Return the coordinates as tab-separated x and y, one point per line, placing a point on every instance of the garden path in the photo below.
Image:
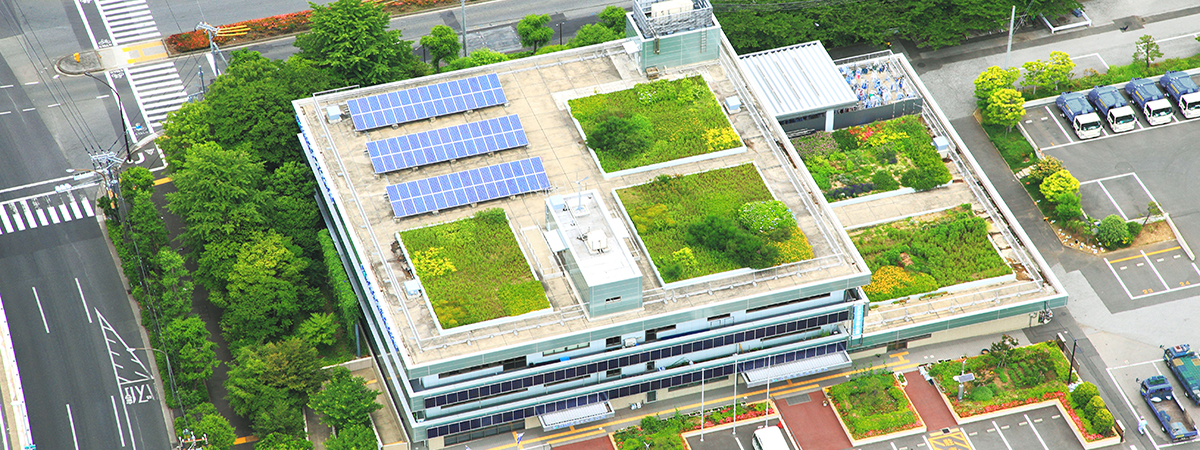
930	406
814	424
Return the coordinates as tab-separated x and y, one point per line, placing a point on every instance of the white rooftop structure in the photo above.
585	229
797	81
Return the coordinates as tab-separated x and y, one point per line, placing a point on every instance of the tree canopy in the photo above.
613	17
270	384
994	78
442	44
265	293
357	437
346	400
351	37
593	33
1146	50
1005	107
533	30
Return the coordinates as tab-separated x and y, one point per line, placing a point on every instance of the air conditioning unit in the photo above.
334	113
597	242
630	342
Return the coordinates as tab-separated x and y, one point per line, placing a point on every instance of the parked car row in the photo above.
1105	104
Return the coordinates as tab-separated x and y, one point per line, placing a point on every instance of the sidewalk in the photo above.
928	402
813	423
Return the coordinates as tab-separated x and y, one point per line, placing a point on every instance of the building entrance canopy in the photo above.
576	416
798	368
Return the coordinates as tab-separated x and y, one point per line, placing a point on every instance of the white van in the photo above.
770	438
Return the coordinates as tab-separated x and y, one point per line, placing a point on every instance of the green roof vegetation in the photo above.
712	222
664	120
473	270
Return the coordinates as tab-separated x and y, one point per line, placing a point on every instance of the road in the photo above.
54	258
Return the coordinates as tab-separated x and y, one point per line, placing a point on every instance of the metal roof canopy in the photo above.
798	81
576	416
798	368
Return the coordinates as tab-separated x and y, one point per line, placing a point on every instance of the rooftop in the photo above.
593	235
797	80
537	90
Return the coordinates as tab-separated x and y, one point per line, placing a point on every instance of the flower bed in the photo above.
666	433
283	24
712	222
472	270
873	158
914	257
727	414
1013	377
873	405
682	119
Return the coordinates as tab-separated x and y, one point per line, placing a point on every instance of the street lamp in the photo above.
170	372
560	33
121	107
464	27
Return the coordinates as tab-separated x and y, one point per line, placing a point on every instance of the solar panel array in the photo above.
469	186
444	144
423	102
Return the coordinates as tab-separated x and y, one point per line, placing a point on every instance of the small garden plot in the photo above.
873	404
473	270
1008	376
665	433
653	123
917	256
873	158
712	222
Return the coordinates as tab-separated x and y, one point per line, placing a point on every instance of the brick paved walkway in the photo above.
813	425
600	443
926	398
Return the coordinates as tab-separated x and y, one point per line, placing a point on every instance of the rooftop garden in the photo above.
653	123
472	270
873	158
872	404
1008	376
712	222
913	256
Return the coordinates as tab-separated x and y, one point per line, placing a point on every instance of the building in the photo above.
615	333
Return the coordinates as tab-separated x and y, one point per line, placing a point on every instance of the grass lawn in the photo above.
912	257
873	158
473	270
685	117
1012	146
873	405
663	210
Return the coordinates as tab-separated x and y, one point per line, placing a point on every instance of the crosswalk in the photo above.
158	89
52	209
128	21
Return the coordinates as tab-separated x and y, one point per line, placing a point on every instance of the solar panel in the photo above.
449	97
444	144
469	186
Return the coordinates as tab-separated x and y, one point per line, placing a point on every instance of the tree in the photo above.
193	354
357	437
203	420
1001	349
1035	74
1113	232
1067	207
1043	168
174	285
1102	421
533	30
613	17
293	212
592	33
351	37
319	329
442	44
136	178
994	78
1083	394
621	136
1059	69
281	441
270	384
1146	49
1057	183
265	291
481	57
183	129
219	194
346	400
1005	107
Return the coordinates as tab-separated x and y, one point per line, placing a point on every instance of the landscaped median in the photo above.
873	407
713	222
672	433
473	270
1012	379
653	124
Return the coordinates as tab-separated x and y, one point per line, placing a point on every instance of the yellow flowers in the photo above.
721	139
431	263
891	282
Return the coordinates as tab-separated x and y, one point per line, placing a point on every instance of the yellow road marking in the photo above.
162	181
245	439
147	58
953	440
1148	254
141	46
571	438
697	405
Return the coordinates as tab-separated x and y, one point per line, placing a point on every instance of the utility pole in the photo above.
1011	20
464	27
121	108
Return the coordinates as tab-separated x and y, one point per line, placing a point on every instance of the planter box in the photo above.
883	437
1062	410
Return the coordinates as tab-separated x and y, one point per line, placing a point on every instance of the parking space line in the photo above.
1149	254
1060	127
1035	432
1097	55
1097	180
1164	292
1126	397
1118	277
1114	201
1175	122
1155	269
1002	438
1143	185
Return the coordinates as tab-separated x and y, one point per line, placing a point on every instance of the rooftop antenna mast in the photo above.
579	195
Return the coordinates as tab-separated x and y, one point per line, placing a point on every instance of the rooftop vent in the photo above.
597	242
334	112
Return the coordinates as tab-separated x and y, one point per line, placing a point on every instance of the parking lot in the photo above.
1124	195
1043	428
725	439
1159	269
1127	379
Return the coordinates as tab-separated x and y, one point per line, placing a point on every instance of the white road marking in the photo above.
84	300
1160	278
17	218
65	214
1114	201
6	86
1060	127
28	215
99	97
74	436
75	208
41	215
87	207
1035	433
31	83
54	105
28	109
115	415
4	217
5	113
1097	55
1002	438
53	214
40	310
